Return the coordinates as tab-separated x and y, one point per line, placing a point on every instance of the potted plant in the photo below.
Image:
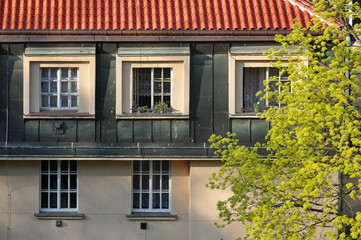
142	109
256	107
161	107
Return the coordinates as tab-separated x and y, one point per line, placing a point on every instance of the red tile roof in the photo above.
150	14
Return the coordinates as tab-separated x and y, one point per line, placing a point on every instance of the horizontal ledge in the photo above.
58	116
59	215
151	217
244	115
151	116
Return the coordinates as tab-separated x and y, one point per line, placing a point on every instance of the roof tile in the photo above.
152	14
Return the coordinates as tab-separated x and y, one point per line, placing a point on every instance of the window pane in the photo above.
64	200
73	183
156	182
157	87
73	166
157	72
166	87
44	87
273	72
44	166
136	166
74	87
156	166
252	83
53	101
166	72
53	165
74	101
145	166
64	165
73	200
64	101
165	166
165	200
64	73
145	182
156	200
136	200
74	73
44	200
53	200
64	87
44	101
165	182
136	182
53	181
53	73
53	87
145	200
44	73
44	182
64	181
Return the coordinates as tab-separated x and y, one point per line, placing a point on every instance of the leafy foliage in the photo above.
303	185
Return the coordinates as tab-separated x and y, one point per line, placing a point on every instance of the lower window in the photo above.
59	186
151	186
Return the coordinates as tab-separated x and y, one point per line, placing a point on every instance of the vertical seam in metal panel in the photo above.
132	126
250	130
38	131
76	130
170	130
151	130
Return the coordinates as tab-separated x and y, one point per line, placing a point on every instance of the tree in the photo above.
312	173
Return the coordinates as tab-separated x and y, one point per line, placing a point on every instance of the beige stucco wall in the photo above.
203	210
104	198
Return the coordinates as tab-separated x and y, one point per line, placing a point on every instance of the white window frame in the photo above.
236	64
58	190
152	82
180	65
267	77
31	84
151	191
59	92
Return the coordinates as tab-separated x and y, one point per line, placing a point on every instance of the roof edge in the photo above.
139	35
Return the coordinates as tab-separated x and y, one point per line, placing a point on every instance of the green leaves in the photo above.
308	182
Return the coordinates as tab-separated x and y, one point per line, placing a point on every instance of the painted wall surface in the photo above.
203	209
104	198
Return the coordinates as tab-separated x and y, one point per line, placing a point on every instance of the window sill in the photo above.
59	215
152	116
59	115
246	115
151	216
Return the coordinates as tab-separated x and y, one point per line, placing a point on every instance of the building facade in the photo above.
106	108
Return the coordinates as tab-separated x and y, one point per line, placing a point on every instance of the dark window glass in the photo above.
156	200
145	200
64	200
44	200
165	200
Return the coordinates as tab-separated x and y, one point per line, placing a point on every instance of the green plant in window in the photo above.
142	109
161	107
256	106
